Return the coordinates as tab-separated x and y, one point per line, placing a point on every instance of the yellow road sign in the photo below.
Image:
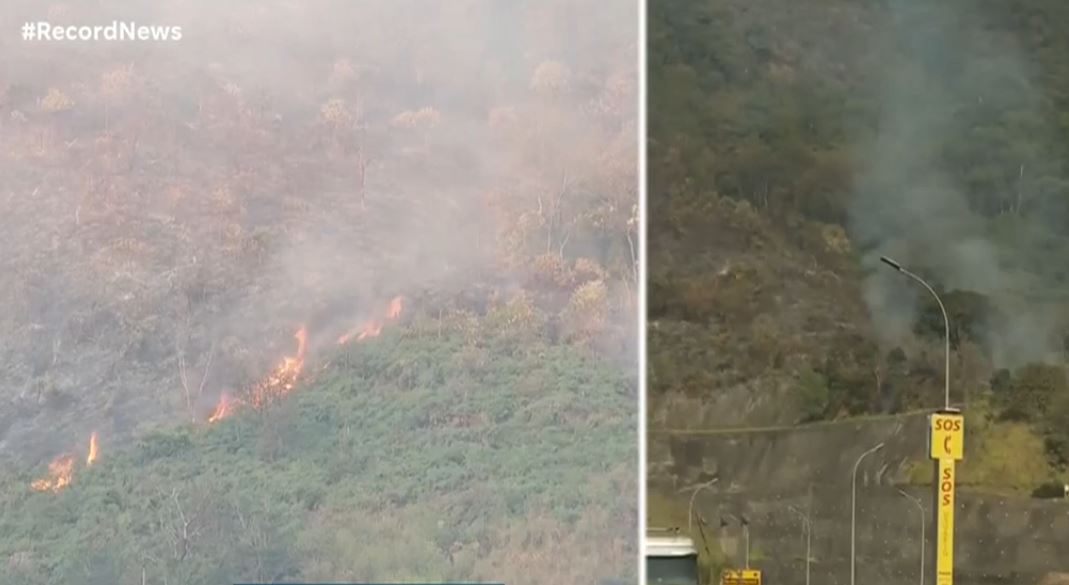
947	438
944	555
740	577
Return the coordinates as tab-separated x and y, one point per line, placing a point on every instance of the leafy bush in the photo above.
1032	391
813	395
1006	456
1056	429
403	460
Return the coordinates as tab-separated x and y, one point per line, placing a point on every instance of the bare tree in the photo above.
184	529
183	373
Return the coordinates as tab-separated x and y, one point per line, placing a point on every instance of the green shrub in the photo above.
813	395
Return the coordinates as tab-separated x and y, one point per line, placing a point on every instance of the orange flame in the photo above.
284	377
373	328
302	340
394	310
92	450
369	329
224	409
60	471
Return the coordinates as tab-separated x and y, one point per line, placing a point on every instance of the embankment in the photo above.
763	473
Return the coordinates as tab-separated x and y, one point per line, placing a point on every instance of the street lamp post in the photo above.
916	501
690	509
745	524
746	534
808	526
853	511
946	322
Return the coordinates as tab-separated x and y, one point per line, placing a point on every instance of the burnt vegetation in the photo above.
442	208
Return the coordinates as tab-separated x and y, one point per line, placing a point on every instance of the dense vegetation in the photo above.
441	451
172	213
792	143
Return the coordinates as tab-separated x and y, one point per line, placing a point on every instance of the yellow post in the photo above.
944	559
947	446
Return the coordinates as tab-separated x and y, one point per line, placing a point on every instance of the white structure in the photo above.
671	558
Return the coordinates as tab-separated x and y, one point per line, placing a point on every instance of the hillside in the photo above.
432	453
333	285
794	143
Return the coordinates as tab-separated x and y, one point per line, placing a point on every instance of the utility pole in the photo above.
946	324
808	528
946	440
853	513
920	507
690	508
746	534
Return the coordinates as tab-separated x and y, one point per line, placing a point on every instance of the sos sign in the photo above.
947	437
946	486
